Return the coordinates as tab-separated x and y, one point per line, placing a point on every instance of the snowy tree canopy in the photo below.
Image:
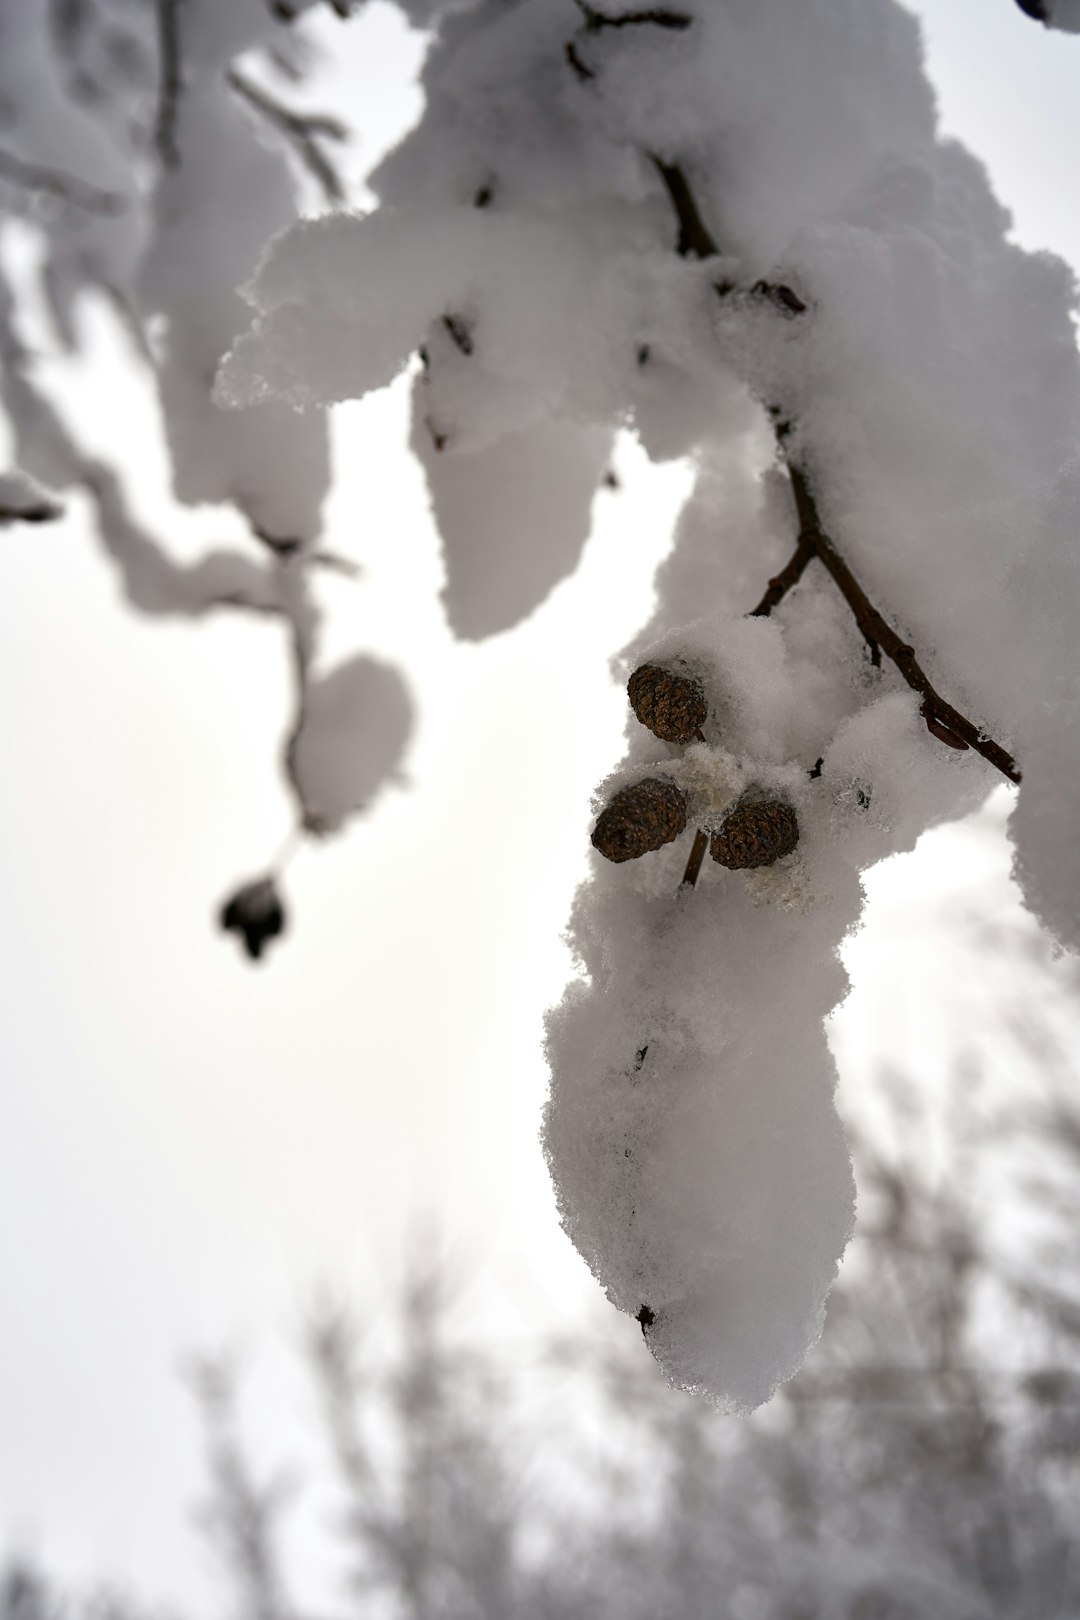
732	228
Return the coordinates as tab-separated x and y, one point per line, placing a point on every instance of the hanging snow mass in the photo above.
734	229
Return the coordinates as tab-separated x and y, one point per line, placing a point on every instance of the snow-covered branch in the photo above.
944	721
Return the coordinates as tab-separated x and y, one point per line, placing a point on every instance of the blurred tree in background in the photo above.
926	1461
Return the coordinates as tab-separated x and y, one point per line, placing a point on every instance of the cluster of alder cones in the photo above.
757	831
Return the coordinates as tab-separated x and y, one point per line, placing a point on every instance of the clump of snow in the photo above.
85	119
528	261
699	1160
213	212
929	392
356	723
344	302
513	517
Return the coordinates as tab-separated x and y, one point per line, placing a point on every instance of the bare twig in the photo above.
286	11
695	239
302	130
697	855
788	577
335	563
595	21
55	183
649	17
580	68
170	82
940	715
302	619
333	1349
460	333
240	1514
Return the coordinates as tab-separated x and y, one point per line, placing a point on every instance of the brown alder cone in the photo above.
673	706
756	833
646	816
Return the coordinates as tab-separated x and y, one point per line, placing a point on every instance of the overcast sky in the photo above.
188	1147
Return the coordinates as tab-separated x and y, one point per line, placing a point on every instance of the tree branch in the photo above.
55	183
170	82
788	577
596	21
300	129
302	620
697	855
695	238
287	11
697	241
945	722
651	16
942	719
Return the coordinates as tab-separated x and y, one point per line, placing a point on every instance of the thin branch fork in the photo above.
302	130
945	722
697	855
595	21
942	719
788	577
170	82
697	241
287	11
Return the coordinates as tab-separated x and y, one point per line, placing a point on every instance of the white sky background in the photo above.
190	1147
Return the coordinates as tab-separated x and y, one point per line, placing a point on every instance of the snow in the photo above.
212	214
524	262
513	517
23	500
355	726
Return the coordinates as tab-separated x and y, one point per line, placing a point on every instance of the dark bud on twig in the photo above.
785	299
460	333
640	818
32	512
758	832
282	545
1035	8
937	728
646	1317
672	706
256	913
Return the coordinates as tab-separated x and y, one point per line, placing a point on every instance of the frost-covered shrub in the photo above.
732	228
